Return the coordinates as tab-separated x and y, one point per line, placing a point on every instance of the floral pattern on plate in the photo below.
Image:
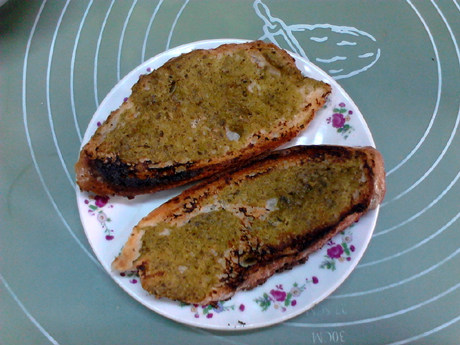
339	252
95	208
281	299
133	276
209	311
340	119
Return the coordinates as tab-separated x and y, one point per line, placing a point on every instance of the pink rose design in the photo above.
335	252
338	120
278	295
101	201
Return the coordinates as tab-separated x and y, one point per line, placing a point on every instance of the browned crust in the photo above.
89	177
375	161
258	275
187	204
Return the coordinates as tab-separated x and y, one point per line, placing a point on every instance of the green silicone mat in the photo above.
399	61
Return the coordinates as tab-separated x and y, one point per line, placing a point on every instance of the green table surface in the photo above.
58	60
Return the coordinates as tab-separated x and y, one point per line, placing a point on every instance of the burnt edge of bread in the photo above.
124	179
123	175
289	252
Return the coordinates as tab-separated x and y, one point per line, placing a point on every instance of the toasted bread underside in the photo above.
197	115
235	231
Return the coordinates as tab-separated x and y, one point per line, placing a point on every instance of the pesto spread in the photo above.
310	196
190	257
204	105
267	210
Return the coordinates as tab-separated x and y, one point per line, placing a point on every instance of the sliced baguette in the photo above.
234	231
197	115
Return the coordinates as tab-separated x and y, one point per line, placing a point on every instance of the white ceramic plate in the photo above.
108	222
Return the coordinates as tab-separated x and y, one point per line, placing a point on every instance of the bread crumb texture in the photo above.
250	221
208	103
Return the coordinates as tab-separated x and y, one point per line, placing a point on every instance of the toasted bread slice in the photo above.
236	230
197	115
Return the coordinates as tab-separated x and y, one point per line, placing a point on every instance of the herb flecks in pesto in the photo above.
191	258
249	219
310	196
206	105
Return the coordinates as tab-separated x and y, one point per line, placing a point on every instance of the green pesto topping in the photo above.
190	256
187	261
203	106
302	197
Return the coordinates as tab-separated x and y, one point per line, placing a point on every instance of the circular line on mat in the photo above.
29	140
418	214
449	142
48	99
32	153
377	318
451	33
147	32
427	333
175	22
122	37
401	282
407	250
72	68
26	312
433	166
96	55
438	96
